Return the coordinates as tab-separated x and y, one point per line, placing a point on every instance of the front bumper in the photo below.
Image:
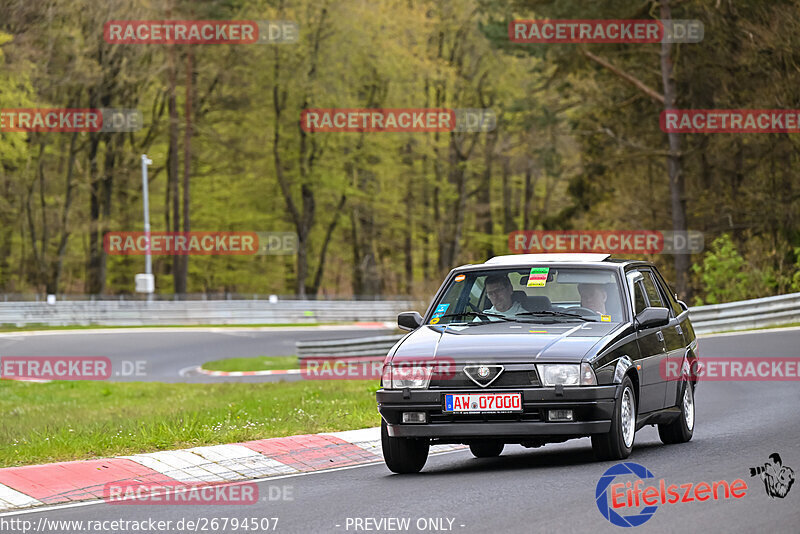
592	406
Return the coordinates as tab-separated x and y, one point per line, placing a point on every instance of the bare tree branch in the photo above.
655	95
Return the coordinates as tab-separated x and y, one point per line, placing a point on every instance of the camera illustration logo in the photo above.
777	478
602	499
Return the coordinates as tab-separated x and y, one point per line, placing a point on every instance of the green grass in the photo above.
62	420
259	363
772	327
33	327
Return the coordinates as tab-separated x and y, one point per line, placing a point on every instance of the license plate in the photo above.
482	402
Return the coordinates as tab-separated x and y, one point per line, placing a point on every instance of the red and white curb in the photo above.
339	360
48	484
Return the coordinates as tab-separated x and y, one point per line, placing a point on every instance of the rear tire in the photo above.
486	449
682	428
403	455
617	444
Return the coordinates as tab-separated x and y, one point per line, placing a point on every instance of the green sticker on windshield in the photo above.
538	276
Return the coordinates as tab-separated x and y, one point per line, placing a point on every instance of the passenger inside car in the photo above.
593	297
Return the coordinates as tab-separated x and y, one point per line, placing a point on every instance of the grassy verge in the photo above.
33	327
259	363
60	421
772	327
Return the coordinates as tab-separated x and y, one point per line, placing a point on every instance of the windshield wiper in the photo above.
477	314
547	313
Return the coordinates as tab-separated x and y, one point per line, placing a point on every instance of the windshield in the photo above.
533	294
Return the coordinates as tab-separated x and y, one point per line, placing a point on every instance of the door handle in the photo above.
679	329
660	335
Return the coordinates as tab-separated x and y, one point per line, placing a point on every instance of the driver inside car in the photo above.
593	297
500	292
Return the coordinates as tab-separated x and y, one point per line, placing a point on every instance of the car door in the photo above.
653	350
675	336
681	312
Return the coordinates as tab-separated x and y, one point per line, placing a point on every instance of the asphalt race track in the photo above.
551	489
165	353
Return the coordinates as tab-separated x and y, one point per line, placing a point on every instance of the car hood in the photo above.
506	342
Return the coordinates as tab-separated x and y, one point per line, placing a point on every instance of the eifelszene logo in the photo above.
614	497
778	478
608	510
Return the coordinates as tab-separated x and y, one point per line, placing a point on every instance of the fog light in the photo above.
560	415
413	417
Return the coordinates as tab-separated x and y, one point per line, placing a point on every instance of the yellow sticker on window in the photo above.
435	320
605	318
538	276
460	278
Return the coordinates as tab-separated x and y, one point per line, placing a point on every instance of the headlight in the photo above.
399	376
553	374
567	374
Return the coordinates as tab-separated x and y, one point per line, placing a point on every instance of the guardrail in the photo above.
143	313
746	314
742	315
366	347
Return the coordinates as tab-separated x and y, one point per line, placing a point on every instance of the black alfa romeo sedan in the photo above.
535	349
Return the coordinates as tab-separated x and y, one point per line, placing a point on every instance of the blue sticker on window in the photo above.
440	310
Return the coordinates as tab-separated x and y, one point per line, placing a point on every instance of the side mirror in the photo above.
652	318
409	320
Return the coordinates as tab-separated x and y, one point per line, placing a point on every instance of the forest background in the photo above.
577	144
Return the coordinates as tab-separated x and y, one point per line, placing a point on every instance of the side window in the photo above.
652	293
673	303
638	298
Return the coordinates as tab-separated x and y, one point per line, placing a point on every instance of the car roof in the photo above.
566	259
514	259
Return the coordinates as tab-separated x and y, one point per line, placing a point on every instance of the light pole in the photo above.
145	283
148	263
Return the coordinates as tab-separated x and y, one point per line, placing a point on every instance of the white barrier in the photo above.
746	314
740	315
135	313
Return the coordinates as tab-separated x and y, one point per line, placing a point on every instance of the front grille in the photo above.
528	415
510	378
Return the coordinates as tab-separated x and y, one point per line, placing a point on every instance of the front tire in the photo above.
403	455
681	429
617	444
486	449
